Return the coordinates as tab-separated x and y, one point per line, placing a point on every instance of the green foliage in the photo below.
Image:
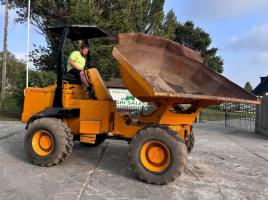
41	78
248	87
170	25
36	79
15	67
197	39
114	16
16	81
11	104
104	62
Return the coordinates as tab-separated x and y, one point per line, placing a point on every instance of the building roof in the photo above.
262	88
115	83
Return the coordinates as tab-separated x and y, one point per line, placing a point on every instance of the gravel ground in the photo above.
226	163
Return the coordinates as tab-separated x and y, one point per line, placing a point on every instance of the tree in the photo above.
114	16
248	87
195	38
15	67
170	24
16	77
3	75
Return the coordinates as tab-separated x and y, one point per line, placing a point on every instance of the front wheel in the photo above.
48	141
157	155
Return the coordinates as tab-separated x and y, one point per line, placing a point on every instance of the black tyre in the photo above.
157	155
190	143
100	138
48	141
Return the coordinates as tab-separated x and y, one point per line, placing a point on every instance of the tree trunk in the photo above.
4	72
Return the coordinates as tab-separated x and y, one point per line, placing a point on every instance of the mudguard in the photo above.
55	112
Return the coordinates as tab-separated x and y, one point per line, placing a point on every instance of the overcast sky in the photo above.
238	28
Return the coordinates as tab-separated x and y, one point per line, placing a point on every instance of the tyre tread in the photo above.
64	141
169	136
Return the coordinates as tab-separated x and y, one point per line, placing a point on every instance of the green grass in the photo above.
11	109
11	104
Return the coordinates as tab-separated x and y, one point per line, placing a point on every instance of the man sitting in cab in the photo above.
76	65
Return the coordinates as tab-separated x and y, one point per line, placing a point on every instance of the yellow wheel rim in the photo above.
155	156
42	143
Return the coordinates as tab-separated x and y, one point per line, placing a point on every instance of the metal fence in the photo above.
236	115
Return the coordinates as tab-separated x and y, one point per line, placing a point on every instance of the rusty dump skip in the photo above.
154	69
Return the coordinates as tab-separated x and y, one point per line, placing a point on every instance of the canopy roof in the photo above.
78	32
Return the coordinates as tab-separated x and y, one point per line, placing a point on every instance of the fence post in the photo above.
225	115
261	124
258	119
198	118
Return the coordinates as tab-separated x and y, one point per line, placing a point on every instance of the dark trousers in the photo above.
74	72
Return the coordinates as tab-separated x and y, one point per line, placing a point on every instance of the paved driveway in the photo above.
226	163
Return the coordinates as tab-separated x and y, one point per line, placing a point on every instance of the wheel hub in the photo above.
45	142
42	143
155	156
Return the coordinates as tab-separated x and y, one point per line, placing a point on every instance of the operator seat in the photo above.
100	89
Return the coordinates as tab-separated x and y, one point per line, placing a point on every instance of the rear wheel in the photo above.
48	141
157	155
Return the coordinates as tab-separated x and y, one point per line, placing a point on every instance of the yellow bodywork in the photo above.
101	115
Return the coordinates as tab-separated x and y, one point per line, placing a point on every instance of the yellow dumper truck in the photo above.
170	76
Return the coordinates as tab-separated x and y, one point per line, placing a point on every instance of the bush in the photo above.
16	82
11	105
36	79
